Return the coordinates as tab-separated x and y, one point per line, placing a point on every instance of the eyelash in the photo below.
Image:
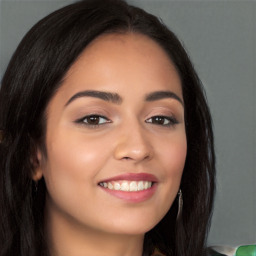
166	121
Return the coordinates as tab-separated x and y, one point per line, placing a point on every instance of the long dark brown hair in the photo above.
33	76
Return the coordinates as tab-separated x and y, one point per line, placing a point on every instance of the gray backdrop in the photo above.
220	37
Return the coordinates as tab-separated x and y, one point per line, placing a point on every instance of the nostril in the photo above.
132	150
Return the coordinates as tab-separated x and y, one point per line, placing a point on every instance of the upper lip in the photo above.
133	177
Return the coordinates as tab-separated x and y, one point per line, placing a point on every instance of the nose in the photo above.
133	144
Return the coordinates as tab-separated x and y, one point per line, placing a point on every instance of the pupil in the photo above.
93	120
159	120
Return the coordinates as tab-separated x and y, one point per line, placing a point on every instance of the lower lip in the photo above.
134	196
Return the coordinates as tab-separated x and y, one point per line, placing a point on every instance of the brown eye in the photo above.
158	120
93	120
162	120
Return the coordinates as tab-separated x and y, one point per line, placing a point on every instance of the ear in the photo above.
37	166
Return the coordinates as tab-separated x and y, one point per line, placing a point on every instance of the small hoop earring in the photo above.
180	204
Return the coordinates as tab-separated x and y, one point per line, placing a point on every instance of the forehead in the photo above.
132	42
130	59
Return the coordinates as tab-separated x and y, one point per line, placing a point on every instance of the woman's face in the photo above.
115	138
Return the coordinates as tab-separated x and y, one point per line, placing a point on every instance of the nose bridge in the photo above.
132	142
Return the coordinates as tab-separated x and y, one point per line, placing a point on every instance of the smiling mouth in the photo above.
128	186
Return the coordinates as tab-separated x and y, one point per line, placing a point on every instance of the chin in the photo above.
134	227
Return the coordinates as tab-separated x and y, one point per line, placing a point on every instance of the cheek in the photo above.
173	155
172	158
73	161
71	169
75	153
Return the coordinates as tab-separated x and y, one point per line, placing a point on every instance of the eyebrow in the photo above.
117	99
159	95
106	96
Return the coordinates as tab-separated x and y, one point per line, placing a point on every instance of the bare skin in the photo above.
136	134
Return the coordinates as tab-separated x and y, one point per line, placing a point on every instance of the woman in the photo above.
107	145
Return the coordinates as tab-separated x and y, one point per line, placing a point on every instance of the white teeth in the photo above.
110	186
117	186
127	185
140	185
133	186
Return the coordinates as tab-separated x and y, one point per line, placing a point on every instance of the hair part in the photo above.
33	76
